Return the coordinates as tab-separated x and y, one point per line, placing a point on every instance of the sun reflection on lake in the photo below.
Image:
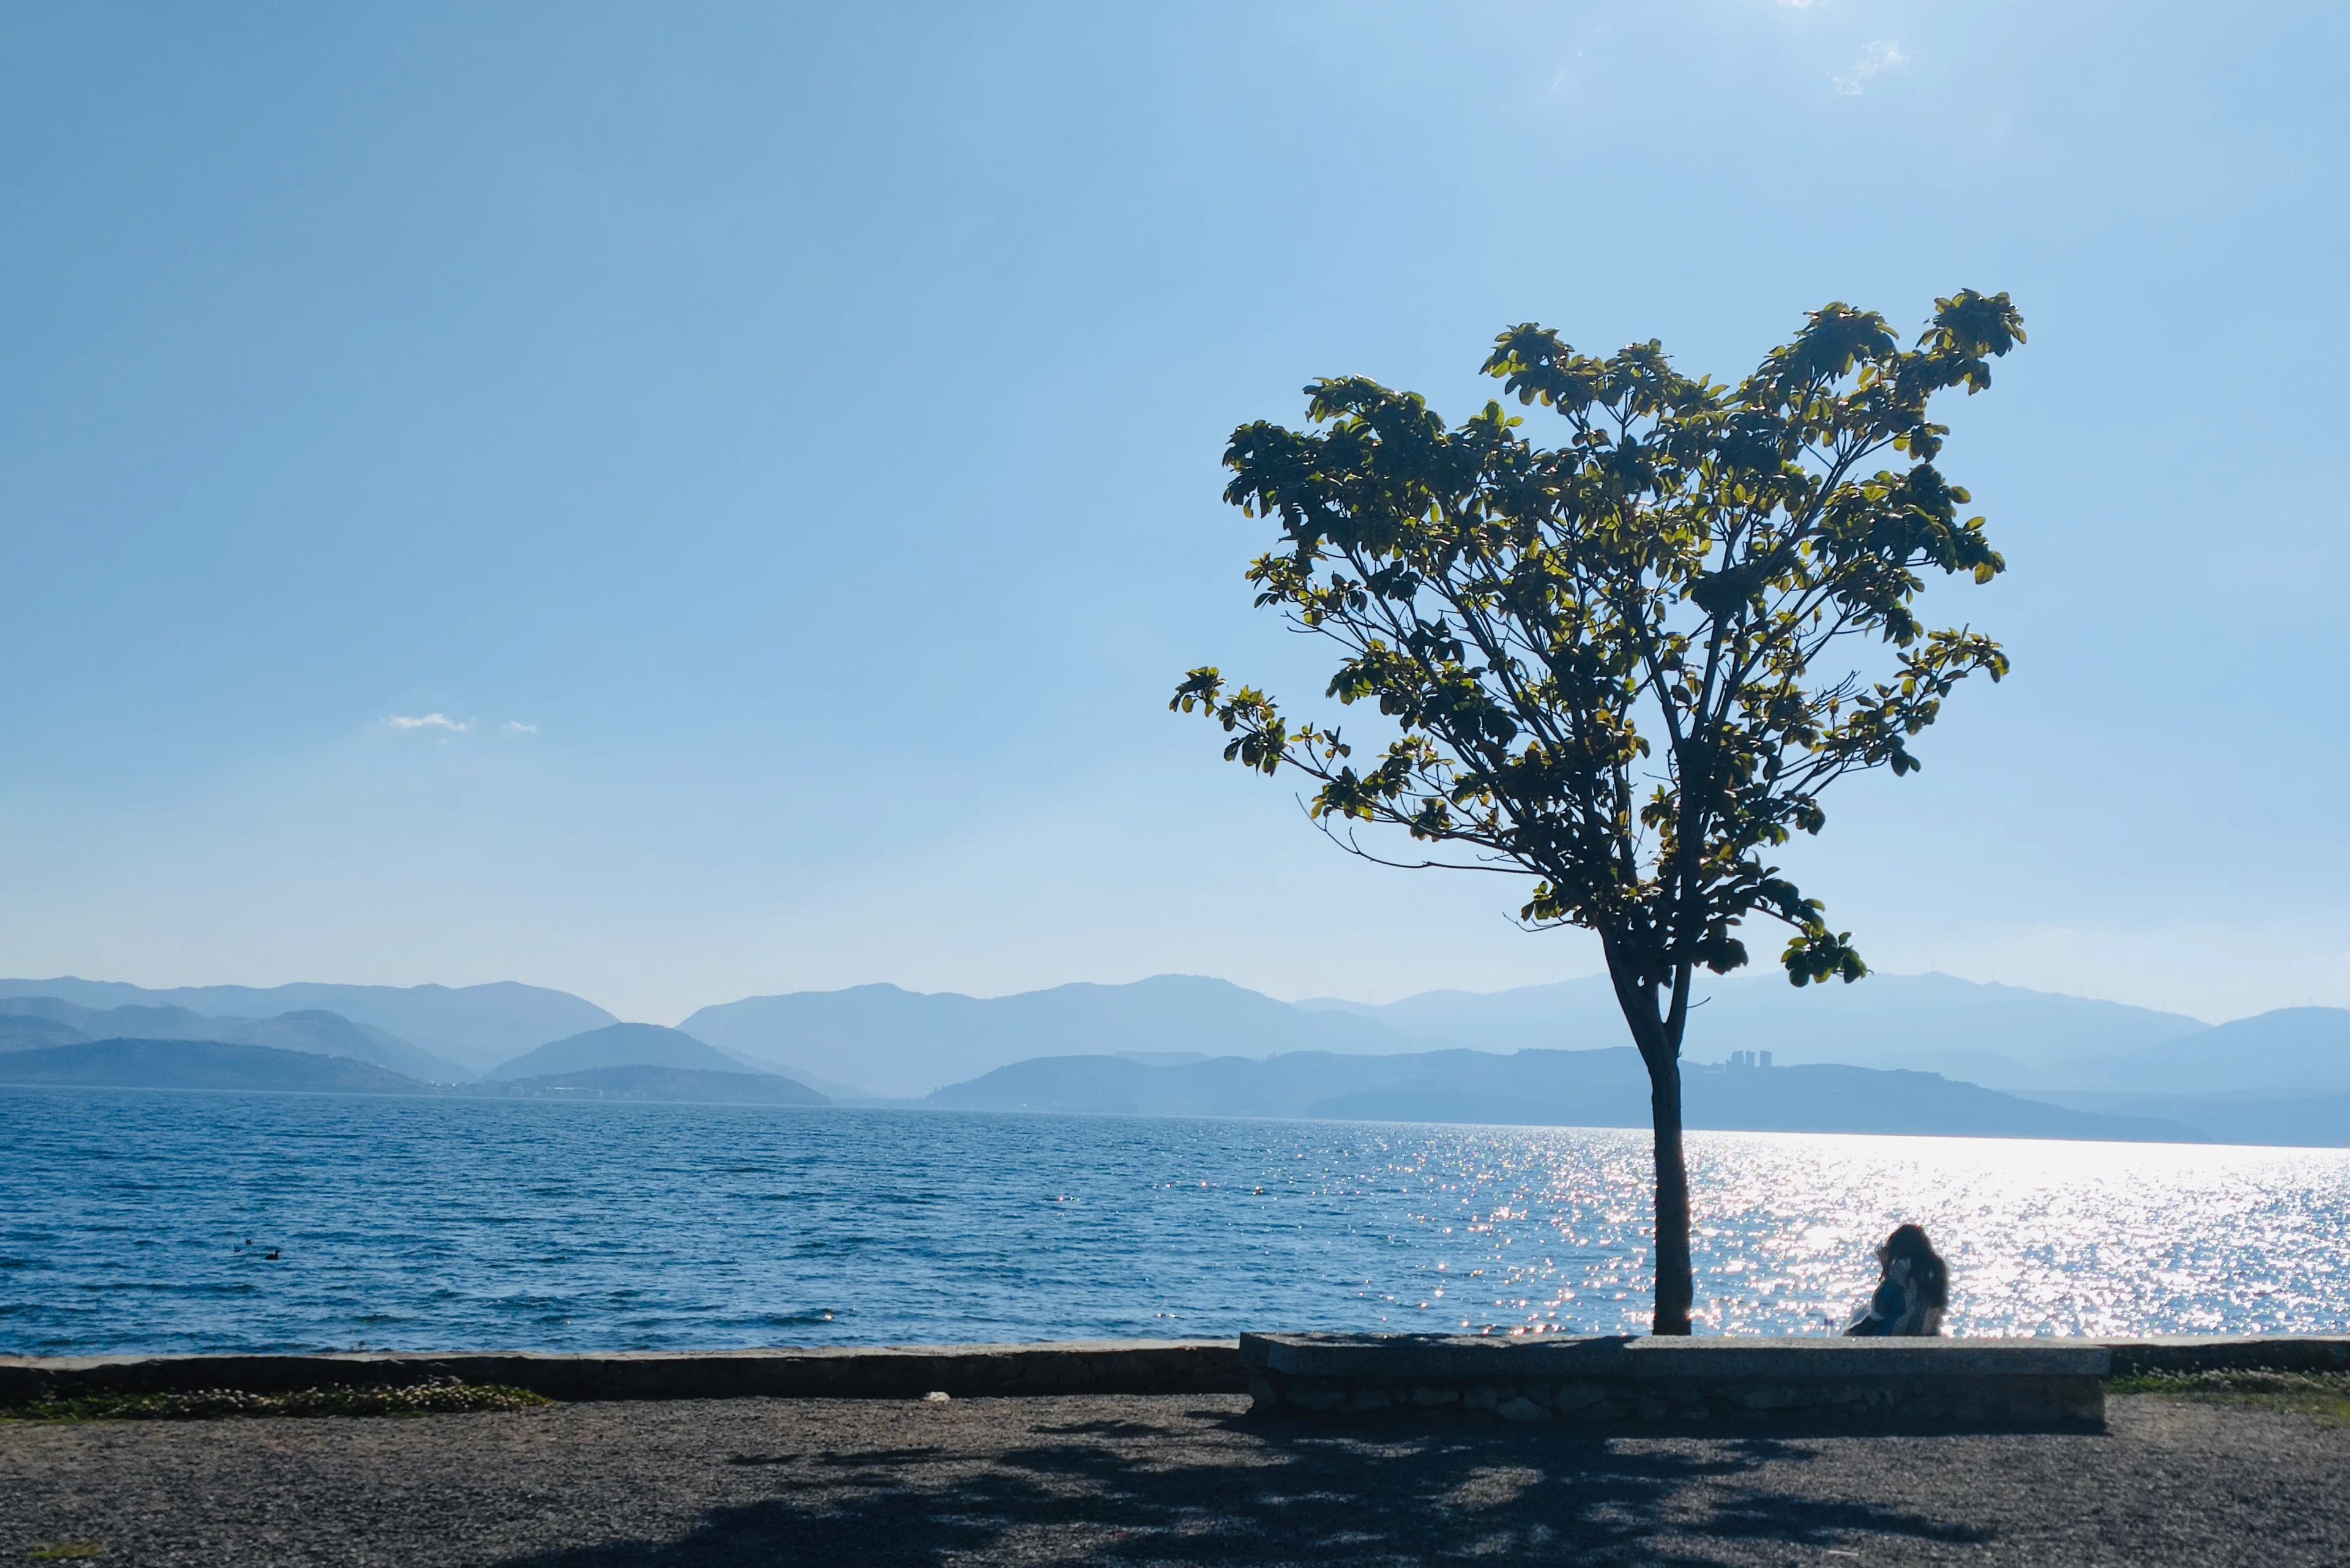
527	1224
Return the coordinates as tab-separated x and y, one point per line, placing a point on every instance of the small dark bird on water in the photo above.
270	1256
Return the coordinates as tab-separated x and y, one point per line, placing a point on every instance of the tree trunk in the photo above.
1657	1033
1676	1286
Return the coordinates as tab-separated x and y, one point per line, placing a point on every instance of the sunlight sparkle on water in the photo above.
417	1223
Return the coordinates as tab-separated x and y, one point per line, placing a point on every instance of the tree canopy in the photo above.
1628	665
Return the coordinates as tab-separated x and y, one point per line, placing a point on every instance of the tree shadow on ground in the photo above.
1233	1492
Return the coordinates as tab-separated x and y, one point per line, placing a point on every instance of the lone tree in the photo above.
1628	665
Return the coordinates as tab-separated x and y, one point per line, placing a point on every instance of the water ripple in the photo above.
125	1219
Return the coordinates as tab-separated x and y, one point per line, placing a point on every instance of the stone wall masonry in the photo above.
1101	1366
1940	1384
1969	1383
2251	1352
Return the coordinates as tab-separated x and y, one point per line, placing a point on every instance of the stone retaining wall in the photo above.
1978	1383
1105	1366
1972	1384
2254	1353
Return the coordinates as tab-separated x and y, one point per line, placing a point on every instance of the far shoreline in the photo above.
441	1094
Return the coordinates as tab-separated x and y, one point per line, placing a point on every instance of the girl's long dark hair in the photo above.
1926	1265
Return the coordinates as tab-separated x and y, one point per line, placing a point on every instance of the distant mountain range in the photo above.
197	1064
636	1081
618	1046
220	1065
2293	1050
1176	1042
1933	1023
893	1044
902	1044
1603	1088
18	1031
2028	1043
475	1026
50	1021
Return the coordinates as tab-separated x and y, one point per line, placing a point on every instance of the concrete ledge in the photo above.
1415	1357
2256	1353
1974	1383
1099	1366
2020	1385
1939	1384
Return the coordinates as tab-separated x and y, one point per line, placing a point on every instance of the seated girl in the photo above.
1913	1292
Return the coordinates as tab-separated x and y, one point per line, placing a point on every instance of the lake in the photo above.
135	1220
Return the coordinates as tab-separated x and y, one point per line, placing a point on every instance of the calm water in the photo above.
525	1224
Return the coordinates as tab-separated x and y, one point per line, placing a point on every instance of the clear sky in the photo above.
675	501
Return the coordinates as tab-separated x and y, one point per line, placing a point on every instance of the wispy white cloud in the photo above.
1875	59
516	727
427	722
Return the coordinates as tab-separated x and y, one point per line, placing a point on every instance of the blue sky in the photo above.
780	446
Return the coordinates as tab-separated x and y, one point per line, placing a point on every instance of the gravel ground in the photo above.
1157	1480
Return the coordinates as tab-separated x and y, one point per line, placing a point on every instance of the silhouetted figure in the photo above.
1913	1291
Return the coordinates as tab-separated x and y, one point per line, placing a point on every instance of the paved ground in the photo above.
1157	1480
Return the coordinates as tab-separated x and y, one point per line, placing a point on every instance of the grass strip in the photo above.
440	1397
2324	1395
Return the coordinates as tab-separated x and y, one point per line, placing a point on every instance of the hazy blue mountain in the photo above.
617	1045
197	1064
2003	1037
904	1043
19	1031
331	1034
132	1022
1931	1022
2292	1049
2305	1121
314	1029
1545	1088
1539	1088
1289	1085
1569	1015
832	1088
637	1082
475	1026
